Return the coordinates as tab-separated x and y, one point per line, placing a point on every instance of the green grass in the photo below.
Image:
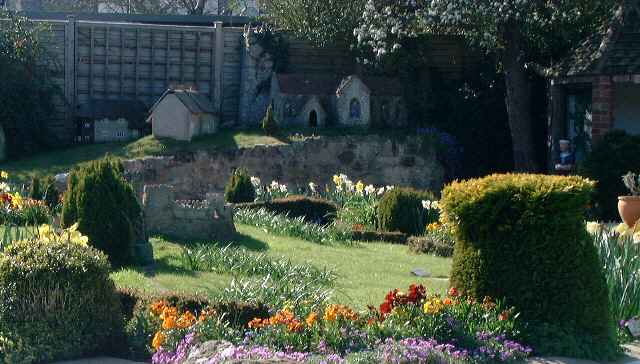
365	272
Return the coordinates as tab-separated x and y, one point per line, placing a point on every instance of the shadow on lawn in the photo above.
240	241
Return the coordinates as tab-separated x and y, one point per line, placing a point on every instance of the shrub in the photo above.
311	209
382	236
429	245
269	124
611	158
401	210
523	238
239	189
44	190
56	302
105	207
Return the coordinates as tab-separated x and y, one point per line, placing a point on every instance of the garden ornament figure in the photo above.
566	160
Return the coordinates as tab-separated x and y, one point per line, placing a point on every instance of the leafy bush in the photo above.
269	124
522	238
239	189
429	244
611	158
296	228
401	209
105	207
311	209
44	190
26	95
56	302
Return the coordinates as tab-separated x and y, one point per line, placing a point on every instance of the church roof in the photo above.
613	50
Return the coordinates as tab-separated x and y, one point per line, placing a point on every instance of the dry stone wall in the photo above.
377	160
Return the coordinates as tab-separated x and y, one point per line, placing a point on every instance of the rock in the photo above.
421	273
61	181
201	353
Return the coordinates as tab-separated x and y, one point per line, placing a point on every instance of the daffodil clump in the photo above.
15	209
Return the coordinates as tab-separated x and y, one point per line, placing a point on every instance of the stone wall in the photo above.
373	159
209	219
107	130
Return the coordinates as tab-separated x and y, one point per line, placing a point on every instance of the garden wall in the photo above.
373	159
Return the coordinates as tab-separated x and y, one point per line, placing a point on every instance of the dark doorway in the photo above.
313	119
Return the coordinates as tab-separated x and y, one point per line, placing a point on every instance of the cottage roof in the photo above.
347	81
133	111
307	84
613	50
194	101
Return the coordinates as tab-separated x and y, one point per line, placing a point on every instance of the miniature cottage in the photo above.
103	121
183	115
314	100
598	88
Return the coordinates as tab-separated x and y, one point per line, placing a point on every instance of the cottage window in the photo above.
355	110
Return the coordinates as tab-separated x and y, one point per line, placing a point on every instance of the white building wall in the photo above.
171	119
355	90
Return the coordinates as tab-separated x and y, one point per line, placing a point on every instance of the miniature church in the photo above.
320	100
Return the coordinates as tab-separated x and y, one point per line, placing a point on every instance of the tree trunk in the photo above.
518	101
200	7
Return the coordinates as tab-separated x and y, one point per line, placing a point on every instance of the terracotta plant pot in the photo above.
629	209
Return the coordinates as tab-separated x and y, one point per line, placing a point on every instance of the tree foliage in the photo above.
519	33
319	21
26	92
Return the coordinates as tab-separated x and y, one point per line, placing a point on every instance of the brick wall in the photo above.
603	106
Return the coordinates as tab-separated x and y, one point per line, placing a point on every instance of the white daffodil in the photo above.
312	187
426	204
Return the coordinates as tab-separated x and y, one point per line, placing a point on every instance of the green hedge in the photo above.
312	209
522	238
105	207
381	236
401	210
239	189
429	245
57	302
611	158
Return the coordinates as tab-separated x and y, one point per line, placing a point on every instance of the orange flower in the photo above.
206	313
504	316
447	301
294	326
168	311
169	323
311	319
257	323
187	319
158	307
158	340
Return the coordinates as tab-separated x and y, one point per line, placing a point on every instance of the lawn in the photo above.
366	271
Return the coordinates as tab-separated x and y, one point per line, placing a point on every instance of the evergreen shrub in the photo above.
522	238
239	189
104	205
401	210
269	124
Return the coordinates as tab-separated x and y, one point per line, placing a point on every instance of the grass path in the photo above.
366	272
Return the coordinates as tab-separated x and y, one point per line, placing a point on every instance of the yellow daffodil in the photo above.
337	180
360	187
16	201
433	306
594	228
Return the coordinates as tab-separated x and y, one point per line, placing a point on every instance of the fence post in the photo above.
218	68
70	71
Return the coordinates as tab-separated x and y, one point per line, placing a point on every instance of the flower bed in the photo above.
408	327
15	209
